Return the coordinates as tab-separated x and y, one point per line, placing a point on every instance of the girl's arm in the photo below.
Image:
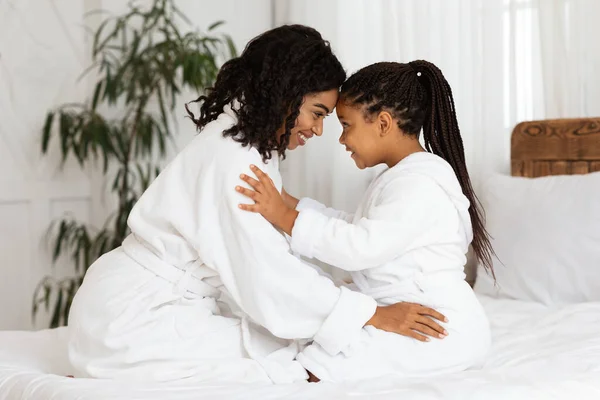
306	203
399	221
288	199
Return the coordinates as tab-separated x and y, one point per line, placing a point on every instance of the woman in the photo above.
203	290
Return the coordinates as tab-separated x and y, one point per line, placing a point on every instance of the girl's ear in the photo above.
385	122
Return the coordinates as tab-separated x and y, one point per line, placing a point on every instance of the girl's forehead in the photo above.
347	108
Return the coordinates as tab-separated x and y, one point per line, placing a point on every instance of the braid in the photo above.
418	96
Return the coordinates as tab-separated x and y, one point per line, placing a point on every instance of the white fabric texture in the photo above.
188	292
406	242
538	352
546	233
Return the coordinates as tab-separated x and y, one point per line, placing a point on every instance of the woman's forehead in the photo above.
328	99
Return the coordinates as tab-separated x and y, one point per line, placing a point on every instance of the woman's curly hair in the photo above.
269	80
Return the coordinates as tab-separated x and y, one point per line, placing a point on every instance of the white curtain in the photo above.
569	33
506	60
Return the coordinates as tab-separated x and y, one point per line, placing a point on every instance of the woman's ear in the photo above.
385	122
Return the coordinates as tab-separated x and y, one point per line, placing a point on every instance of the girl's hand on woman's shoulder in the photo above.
268	202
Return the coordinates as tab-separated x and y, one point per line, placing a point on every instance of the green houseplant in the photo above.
143	61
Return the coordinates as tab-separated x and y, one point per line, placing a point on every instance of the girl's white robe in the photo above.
192	289
407	242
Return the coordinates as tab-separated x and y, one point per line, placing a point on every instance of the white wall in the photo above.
41	55
43	49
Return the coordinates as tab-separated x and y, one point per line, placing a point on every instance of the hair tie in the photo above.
410	64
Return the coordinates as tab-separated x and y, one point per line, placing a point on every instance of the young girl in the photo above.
408	238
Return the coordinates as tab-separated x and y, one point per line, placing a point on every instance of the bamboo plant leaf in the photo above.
71	290
232	52
96	97
161	106
62	232
65	133
46	132
96	41
47	293
181	15
215	25
56	314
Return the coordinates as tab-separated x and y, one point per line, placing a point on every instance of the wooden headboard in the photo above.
556	147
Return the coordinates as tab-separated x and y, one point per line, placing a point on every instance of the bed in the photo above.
544	347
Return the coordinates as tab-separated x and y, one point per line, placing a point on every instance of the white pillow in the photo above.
546	233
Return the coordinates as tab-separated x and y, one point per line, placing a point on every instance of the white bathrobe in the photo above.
406	242
192	289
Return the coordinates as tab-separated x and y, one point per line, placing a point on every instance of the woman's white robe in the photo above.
192	289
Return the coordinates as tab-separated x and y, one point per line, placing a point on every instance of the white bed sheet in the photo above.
537	353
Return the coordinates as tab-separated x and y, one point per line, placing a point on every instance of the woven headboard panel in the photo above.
556	147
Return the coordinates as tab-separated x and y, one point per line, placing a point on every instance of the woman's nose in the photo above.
318	129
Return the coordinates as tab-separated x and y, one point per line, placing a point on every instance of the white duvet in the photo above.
537	353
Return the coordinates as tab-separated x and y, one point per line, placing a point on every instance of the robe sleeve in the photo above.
274	287
307	203
399	220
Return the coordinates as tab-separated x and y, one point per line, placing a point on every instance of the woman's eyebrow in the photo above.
323	107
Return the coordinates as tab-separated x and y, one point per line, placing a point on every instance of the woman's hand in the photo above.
409	319
267	201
